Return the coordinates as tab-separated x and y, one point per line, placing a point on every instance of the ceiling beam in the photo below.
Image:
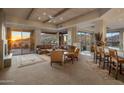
75	20
57	14
46	32
30	13
77	17
88	17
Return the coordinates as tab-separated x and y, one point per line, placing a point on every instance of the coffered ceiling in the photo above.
48	15
61	17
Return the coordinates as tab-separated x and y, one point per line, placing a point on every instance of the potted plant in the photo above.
98	38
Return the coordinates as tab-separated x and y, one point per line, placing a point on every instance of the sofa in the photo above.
43	49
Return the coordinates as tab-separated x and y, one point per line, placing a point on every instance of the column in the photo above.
37	37
32	42
60	39
57	36
93	38
72	35
69	38
121	39
101	27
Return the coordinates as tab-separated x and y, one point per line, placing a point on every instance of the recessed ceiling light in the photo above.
42	34
39	18
61	18
44	13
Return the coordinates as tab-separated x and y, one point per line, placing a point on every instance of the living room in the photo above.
61	46
34	39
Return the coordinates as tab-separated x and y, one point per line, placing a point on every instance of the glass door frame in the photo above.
21	40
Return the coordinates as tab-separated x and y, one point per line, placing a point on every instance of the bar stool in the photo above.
98	55
101	51
106	59
115	62
93	49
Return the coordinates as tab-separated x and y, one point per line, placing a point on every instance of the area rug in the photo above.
30	59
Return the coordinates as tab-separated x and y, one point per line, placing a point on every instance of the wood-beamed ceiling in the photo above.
41	16
57	14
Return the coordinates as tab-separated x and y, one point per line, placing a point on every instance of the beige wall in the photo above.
2	38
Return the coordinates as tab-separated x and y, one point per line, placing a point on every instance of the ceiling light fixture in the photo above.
61	18
44	13
42	34
39	18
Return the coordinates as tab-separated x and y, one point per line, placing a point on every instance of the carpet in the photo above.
31	59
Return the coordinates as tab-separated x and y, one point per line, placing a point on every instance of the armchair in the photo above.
57	57
76	53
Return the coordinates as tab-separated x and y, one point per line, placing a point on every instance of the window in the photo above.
48	39
85	40
113	39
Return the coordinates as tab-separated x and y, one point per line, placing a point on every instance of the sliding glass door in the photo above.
25	47
85	40
21	42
